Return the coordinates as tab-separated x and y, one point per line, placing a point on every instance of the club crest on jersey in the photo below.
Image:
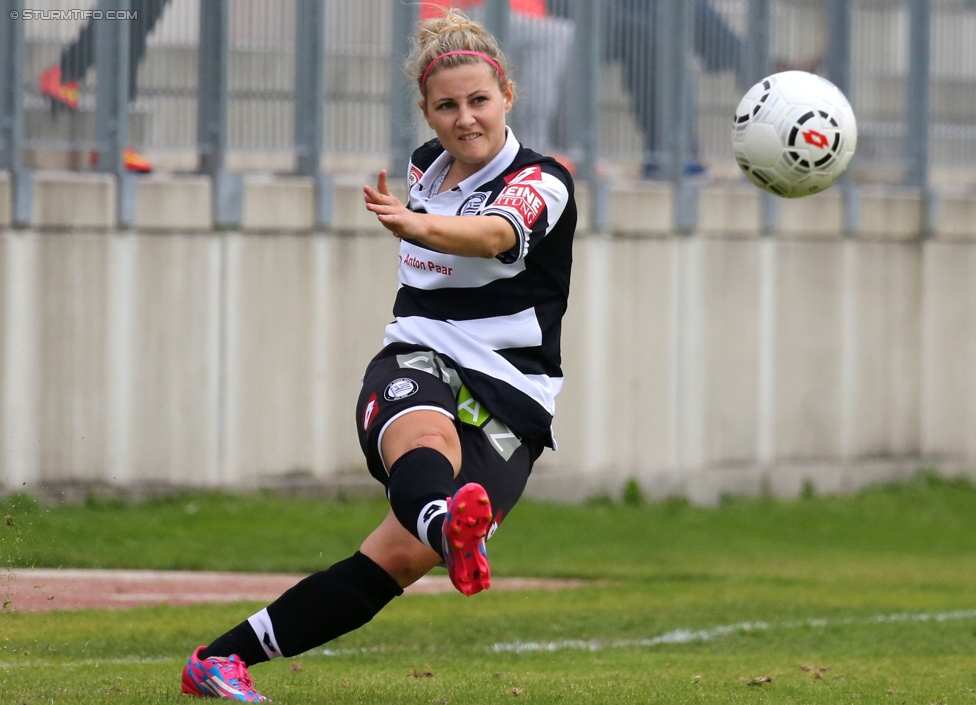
473	203
400	388
524	199
413	176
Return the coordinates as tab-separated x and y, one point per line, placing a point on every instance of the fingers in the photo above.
378	202
388	209
381	194
381	184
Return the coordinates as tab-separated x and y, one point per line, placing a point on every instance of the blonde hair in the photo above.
453	32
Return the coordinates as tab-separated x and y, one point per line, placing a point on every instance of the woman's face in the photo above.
466	107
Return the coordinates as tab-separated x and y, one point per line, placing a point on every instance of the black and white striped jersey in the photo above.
499	320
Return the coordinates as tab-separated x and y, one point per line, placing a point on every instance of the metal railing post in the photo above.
840	15
12	111
212	86
917	95
403	94
11	97
228	189
674	31
309	86
756	60
310	102
583	121
112	103
584	99
496	20
756	67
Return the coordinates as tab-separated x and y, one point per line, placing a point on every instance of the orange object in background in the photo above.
132	159
63	93
434	8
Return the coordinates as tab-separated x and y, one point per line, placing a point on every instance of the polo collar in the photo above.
490	171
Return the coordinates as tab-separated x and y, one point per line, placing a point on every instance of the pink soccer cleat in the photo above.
220	677
465	530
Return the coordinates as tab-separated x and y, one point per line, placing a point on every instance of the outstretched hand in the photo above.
393	215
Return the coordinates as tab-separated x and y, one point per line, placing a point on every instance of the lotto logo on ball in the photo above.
794	134
817	139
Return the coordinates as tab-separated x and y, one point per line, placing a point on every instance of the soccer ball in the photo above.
794	134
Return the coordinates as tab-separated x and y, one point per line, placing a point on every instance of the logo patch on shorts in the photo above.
372	409
400	388
469	410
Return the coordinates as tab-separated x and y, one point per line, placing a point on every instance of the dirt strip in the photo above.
38	590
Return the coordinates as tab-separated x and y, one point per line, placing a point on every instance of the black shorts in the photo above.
401	379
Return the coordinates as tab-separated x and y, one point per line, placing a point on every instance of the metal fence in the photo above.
638	88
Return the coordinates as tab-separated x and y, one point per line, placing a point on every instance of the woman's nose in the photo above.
465	116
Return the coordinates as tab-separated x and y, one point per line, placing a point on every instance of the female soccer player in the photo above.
458	404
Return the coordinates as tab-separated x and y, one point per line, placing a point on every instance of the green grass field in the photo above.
862	599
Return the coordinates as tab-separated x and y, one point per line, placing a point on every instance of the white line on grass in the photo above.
687	636
676	636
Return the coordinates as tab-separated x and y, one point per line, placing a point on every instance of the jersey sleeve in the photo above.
532	200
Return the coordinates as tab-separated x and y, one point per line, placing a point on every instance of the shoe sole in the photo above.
465	530
190	687
217	690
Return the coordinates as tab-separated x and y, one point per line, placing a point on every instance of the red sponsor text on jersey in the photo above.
428	266
524	199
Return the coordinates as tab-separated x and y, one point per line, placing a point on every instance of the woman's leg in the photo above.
398	552
349	594
422	450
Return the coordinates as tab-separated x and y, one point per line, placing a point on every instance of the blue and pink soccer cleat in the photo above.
465	530
220	677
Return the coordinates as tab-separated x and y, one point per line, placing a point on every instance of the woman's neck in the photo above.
453	177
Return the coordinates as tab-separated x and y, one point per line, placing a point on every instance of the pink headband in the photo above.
423	79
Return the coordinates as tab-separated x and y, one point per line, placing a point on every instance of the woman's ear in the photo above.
423	108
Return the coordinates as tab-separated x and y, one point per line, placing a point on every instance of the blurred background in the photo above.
270	68
191	288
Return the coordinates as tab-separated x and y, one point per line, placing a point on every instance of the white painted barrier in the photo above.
724	361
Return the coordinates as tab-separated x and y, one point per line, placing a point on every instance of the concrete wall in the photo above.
721	361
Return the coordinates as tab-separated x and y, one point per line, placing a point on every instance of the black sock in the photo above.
420	482
240	640
318	609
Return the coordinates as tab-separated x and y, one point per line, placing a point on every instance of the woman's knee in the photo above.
422	429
